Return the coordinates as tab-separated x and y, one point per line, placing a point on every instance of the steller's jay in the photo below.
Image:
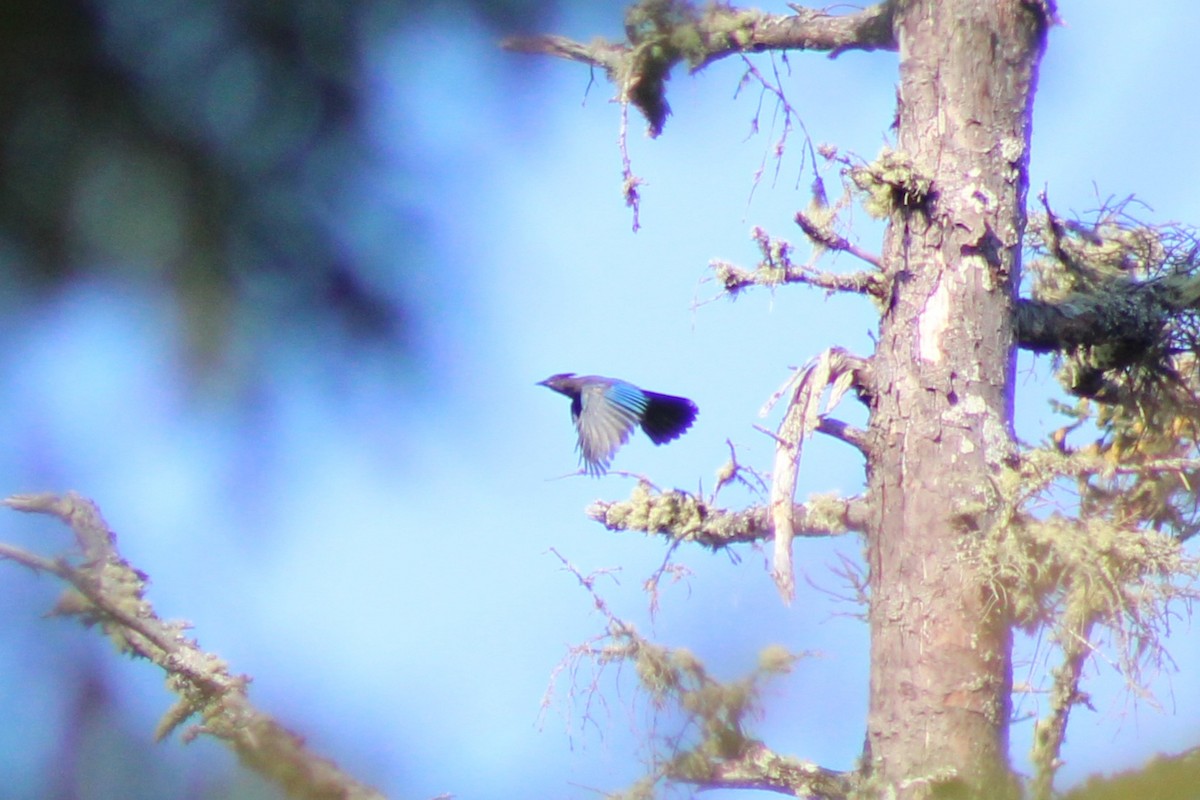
606	410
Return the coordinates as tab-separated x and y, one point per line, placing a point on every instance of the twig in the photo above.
825	236
732	471
629	181
776	268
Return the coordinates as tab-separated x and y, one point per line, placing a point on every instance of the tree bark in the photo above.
941	403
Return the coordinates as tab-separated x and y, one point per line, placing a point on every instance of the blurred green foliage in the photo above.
218	150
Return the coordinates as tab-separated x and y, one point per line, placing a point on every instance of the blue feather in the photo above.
606	410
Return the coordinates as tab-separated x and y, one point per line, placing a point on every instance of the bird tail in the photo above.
666	417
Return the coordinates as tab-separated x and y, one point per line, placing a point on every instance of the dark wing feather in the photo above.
666	417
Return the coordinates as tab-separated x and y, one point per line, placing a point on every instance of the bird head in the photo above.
558	382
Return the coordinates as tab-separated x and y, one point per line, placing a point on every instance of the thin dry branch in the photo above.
825	236
776	268
735	279
790	116
844	432
107	590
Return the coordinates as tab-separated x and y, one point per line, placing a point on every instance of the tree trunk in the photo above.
941	674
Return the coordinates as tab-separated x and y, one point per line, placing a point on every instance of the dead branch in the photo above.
712	749
851	435
726	31
107	590
758	767
835	369
776	268
663	34
734	471
825	236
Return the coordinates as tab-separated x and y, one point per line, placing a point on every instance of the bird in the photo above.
606	410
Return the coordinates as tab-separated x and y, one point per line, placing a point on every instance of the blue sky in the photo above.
375	553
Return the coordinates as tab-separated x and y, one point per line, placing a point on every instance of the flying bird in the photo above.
606	410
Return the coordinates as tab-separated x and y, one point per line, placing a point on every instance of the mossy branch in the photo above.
759	767
713	748
721	755
682	516
107	591
1117	297
664	33
1094	580
777	268
1074	639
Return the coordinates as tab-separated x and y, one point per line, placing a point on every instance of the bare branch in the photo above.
734	279
799	420
109	591
836	370
678	572
825	236
855	437
776	268
775	88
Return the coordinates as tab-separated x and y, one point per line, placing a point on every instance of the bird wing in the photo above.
666	417
608	414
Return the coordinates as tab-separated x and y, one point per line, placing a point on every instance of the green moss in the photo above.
891	181
775	659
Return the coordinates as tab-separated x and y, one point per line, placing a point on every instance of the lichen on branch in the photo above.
776	267
1117	299
891	181
684	516
1095	579
664	33
711	745
106	590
